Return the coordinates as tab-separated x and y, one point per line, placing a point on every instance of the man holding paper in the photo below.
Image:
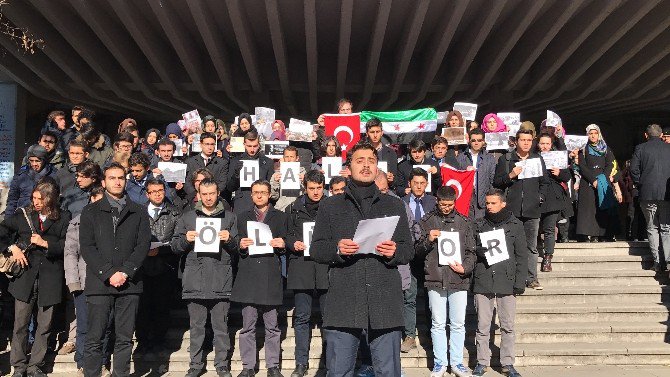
374	133
207	159
417	156
258	284
257	167
500	275
448	246
307	279
284	182
365	290
207	279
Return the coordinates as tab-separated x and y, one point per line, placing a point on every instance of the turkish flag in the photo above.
346	128
463	182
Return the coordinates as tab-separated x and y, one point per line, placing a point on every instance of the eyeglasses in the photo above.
155	191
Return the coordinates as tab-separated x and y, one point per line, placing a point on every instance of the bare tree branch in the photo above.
24	39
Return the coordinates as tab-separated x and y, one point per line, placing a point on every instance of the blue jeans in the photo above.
451	303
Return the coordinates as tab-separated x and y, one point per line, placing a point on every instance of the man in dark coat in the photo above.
365	290
375	132
417	156
650	169
258	284
206	159
75	198
242	201
24	181
496	285
66	177
524	196
307	279
484	164
207	279
114	237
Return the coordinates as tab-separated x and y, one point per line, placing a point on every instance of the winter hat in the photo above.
37	151
173	128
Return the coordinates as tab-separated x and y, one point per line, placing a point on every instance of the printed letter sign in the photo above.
449	248
496	246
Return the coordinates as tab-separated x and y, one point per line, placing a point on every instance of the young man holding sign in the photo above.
307	279
284	182
448	245
365	290
500	275
251	166
258	285
207	279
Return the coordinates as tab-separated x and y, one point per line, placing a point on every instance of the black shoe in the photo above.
223	372
249	373
509	371
300	370
274	372
192	372
36	372
479	370
142	348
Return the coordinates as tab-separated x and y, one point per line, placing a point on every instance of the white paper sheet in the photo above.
332	166
172	171
250	172
195	145
372	232
383	166
290	175
207	240
237	144
496	246
532	167
178	143
553	120
262	235
555	159
573	142
496	141
275	149
299	130
265	117
468	110
307	232
449	248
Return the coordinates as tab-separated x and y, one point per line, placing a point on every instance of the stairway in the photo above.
599	306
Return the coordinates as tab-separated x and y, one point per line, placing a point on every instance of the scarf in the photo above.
606	199
496	219
501	127
599	148
311	206
363	195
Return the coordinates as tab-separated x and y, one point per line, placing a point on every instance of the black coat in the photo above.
443	277
391	158
206	276
107	249
556	197
364	290
591	221
242	201
259	280
303	271
217	166
21	188
650	169
405	170
524	196
45	263
66	177
506	277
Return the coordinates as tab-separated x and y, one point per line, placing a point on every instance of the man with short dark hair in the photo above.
418	201
417	156
75	198
136	188
484	164
283	198
114	237
650	170
242	201
337	185
206	159
666	135
375	132
77	152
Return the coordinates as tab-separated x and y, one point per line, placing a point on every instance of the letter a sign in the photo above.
496	246
449	248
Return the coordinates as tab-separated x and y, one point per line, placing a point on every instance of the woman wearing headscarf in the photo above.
597	205
492	123
278	131
245	125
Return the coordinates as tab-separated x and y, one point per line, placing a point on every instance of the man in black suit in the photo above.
207	159
242	201
114	237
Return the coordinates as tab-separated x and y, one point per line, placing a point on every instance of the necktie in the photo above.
156	212
417	209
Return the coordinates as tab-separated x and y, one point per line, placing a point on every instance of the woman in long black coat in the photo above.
39	247
596	212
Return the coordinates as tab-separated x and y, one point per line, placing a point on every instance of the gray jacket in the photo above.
75	267
486	171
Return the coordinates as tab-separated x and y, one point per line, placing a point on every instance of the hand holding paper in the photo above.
386	248
347	247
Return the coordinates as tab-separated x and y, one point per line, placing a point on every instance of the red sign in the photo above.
345	127
463	182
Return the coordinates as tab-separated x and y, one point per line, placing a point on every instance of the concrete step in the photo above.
588	312
602	249
599	277
603	262
625	295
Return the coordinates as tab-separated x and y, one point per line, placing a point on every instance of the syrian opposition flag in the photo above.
404	126
345	127
463	182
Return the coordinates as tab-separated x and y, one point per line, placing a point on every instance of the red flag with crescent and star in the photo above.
463	182
346	128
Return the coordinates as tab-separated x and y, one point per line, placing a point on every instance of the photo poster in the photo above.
275	149
195	146
332	166
299	130
512	121
468	110
172	171
496	141
262	235
430	176
555	159
307	232
193	121
290	176
249	173
383	166
449	248
455	135
178	144
207	240
573	142
265	118
496	246
553	120
532	168
237	144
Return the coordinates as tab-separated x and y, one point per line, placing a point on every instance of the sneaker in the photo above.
460	370
105	372
509	371
192	372
408	344
68	348
366	371
223	372
479	370
300	370
534	285
438	370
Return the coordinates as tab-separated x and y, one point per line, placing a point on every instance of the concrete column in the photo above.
12	132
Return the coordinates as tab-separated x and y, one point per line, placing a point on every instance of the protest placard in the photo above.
195	145
307	232
265	117
275	149
531	168
172	171
290	176
468	110
372	232
512	121
553	120
573	142
449	248
207	240
250	172
430	176
332	166
496	141
237	144
455	135
555	159
383	166
262	235
193	121
299	130
178	144
496	246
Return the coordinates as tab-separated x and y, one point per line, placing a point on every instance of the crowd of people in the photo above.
96	231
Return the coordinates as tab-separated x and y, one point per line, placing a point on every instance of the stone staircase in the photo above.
599	306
